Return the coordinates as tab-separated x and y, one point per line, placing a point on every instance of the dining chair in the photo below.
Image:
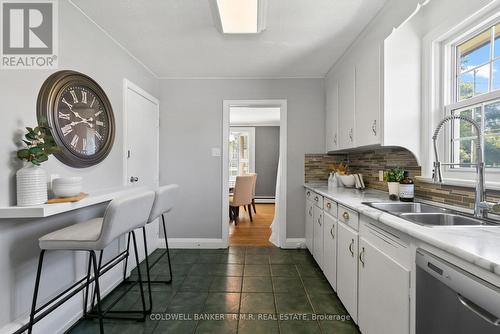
253	190
242	196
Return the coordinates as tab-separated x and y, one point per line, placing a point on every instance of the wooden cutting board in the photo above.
67	199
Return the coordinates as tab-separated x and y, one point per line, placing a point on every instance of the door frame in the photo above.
129	85
227	104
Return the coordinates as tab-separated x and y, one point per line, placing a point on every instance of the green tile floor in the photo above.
235	290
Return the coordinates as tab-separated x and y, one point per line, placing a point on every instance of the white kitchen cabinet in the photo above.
384	290
346	117
332	114
309	221
318	235
368	96
330	249
347	269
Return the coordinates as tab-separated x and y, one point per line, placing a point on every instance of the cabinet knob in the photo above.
316	198
362	256
351	249
345	215
374	127
329	205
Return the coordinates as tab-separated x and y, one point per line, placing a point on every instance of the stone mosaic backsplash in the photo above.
369	162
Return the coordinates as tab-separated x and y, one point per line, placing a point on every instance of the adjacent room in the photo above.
250	166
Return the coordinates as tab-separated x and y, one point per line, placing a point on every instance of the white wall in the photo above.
82	47
191	123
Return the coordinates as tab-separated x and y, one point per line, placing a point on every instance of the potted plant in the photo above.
393	176
31	180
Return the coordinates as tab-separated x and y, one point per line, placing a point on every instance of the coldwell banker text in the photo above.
29	34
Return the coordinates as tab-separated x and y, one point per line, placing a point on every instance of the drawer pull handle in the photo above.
310	211
319	220
351	245
316	198
308	193
374	127
345	215
362	257
329	205
331	232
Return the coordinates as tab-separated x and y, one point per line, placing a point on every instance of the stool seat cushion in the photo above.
80	236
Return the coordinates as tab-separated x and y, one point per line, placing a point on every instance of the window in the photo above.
241	152
476	94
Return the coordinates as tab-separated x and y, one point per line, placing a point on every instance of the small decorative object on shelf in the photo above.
393	176
31	180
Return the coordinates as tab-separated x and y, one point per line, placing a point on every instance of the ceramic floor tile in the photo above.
256	270
256	302
257	284
227	326
258	327
226	284
175	326
228	270
290	285
196	283
317	285
187	302
222	302
299	327
287	303
338	327
256	259
288	270
326	303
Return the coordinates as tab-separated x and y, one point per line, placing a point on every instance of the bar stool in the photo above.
165	197
123	215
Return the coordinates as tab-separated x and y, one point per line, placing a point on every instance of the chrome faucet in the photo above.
481	207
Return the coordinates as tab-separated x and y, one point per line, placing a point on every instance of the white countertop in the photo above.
46	210
477	245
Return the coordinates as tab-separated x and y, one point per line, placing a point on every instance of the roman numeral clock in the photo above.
80	117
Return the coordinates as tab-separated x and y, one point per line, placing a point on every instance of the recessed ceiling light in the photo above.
239	16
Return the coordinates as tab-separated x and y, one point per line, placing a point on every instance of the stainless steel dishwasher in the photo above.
450	300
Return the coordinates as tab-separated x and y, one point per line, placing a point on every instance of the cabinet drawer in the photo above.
330	207
309	194
348	217
317	200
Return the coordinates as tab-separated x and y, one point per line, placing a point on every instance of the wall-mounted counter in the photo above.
47	210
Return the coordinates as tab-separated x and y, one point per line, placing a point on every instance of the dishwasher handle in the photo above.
478	310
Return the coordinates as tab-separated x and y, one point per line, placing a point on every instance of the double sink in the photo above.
429	215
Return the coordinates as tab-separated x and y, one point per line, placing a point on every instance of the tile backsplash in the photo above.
369	162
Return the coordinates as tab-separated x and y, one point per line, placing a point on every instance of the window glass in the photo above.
475	51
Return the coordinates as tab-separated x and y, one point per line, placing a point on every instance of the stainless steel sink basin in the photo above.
429	215
400	207
442	219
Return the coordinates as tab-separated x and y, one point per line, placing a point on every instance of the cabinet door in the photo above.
318	236
346	107
309	225
347	269
367	96
330	249
332	111
384	289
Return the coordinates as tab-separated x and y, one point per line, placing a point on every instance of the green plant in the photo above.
394	175
40	144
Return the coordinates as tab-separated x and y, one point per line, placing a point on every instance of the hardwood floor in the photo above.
254	233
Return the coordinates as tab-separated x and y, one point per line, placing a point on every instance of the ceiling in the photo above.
254	116
178	38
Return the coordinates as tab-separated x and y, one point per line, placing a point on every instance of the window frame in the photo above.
251	148
451	90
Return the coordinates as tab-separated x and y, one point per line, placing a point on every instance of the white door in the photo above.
347	269
309	225
368	91
141	112
318	235
330	249
332	111
346	107
380	277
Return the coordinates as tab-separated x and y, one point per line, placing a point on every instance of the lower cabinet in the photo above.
330	249
318	235
347	269
309	225
384	288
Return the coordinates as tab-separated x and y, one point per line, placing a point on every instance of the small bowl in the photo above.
347	180
67	186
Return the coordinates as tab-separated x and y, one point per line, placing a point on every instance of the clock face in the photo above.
80	117
81	120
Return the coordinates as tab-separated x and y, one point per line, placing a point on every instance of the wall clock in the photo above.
80	117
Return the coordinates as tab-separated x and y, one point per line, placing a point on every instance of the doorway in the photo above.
254	141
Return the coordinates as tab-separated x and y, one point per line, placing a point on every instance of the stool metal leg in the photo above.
168	250
148	275
87	288
140	276
35	292
98	292
126	259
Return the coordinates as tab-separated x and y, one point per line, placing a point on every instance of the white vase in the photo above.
393	188
31	183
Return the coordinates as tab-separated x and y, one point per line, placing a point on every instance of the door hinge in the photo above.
128	154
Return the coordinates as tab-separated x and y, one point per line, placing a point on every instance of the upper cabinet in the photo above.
373	92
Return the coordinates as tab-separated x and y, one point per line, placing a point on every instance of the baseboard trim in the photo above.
294	243
265	200
191	243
